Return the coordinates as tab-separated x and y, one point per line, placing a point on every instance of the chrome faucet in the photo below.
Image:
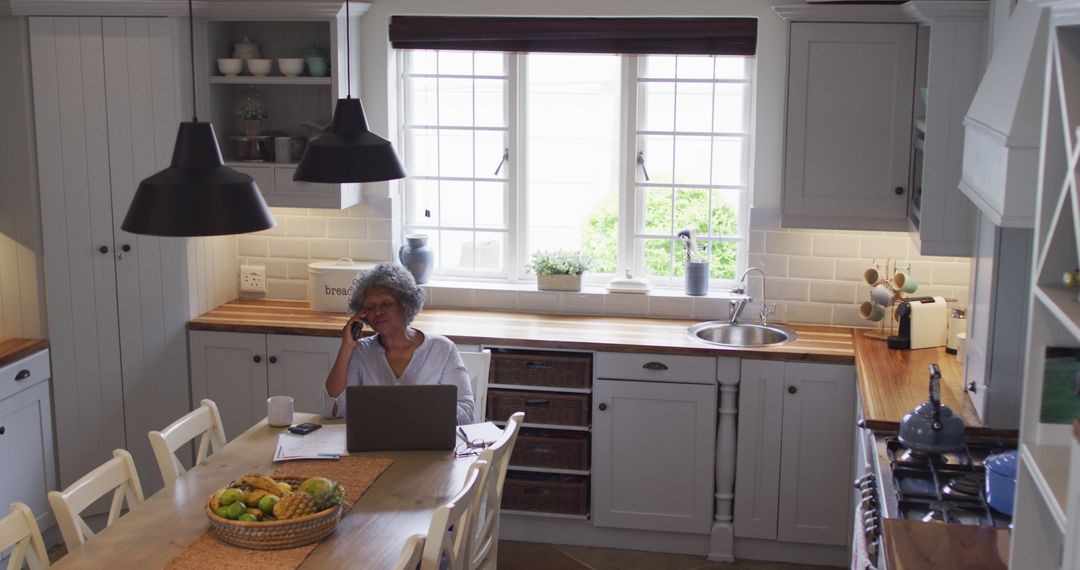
736	306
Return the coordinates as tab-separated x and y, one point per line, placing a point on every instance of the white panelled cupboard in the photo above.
106	111
26	436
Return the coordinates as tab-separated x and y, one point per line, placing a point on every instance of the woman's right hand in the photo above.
347	340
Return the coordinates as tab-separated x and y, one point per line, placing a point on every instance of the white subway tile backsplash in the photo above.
330	249
883	247
583	304
757	242
832	292
809	313
773	265
348	228
784	290
275	269
372	209
671	307
379	230
455	297
286	289
951	274
277	230
848	316
371	250
538	301
297	226
851	269
288	247
711	309
497	300
298	269
835	245
254	246
626	305
790	243
811	267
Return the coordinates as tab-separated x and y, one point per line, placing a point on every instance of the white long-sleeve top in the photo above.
435	361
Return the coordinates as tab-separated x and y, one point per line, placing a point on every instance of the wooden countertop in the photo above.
12	349
914	545
892	382
616	334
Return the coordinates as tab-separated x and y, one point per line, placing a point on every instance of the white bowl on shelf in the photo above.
230	66
291	66
259	67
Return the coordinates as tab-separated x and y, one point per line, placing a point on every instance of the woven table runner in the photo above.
355	473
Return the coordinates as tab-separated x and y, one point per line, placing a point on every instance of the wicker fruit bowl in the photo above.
276	534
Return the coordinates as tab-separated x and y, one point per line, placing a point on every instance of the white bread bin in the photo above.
330	283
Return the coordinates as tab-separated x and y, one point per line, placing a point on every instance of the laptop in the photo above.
400	418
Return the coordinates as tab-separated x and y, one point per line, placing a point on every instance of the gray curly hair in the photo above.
395	278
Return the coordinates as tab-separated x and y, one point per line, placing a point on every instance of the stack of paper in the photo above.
480	435
325	443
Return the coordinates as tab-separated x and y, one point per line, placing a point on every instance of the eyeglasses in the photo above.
470	448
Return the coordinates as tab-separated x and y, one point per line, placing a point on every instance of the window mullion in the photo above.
631	205
516	173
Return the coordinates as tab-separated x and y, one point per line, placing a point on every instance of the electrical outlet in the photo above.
252	279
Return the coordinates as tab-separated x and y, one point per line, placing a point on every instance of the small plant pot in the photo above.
558	282
252	127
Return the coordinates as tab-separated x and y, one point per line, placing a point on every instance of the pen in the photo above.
334	455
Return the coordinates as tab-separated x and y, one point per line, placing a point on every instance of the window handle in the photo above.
641	163
505	158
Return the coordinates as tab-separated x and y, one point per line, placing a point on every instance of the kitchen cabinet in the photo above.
239	371
26	435
795	450
847	146
654	443
105	113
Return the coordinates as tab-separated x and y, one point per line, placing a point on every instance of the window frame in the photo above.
630	201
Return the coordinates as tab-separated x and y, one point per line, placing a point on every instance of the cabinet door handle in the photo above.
273	360
539	365
22	375
792	389
602	407
257	359
971	387
898	190
3	430
104	249
125	248
654	366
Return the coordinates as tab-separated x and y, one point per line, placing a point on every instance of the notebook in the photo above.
401	418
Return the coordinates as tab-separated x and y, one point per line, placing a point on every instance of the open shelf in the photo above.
541	515
268	80
550	470
502	424
540	388
1049	466
1063	304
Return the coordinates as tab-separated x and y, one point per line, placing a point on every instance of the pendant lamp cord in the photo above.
348	54
191	42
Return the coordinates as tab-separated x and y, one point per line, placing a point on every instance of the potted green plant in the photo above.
559	270
252	116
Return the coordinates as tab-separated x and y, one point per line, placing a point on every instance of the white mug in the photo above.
279	411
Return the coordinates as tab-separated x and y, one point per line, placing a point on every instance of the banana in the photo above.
261	482
258	514
253	497
215	499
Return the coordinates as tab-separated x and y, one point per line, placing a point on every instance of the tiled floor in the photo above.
533	556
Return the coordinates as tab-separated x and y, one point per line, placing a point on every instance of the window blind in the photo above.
694	36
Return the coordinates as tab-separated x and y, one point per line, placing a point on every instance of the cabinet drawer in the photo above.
539	407
24	373
656	367
553	449
546	493
548	369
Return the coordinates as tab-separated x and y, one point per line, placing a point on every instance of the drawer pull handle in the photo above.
3	430
542	449
538	403
22	375
602	407
539	365
792	389
654	366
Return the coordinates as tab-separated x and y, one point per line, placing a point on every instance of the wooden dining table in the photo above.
370	535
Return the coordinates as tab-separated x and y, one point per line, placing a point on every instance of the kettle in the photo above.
932	427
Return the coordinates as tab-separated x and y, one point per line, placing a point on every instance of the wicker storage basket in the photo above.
546	493
276	535
539	407
552	449
548	369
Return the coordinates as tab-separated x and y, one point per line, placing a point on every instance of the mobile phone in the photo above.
356	328
304	428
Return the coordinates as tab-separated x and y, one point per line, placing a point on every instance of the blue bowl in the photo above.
1001	481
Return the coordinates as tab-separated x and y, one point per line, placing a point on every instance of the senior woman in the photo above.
387	299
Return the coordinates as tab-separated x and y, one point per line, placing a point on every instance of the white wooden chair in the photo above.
479	365
411	554
204	421
117	475
20	529
450	535
485	542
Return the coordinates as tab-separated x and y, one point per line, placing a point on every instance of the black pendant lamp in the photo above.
347	151
197	195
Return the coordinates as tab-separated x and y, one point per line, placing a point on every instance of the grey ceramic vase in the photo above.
417	257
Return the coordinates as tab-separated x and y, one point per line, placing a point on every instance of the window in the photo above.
613	155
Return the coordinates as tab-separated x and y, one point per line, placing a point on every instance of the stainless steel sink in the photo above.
724	333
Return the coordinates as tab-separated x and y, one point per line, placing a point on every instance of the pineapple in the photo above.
294	505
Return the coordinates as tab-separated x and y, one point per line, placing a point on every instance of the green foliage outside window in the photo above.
600	233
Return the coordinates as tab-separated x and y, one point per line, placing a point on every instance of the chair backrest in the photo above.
449	535
117	475
204	421
479	365
20	529
486	524
410	555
